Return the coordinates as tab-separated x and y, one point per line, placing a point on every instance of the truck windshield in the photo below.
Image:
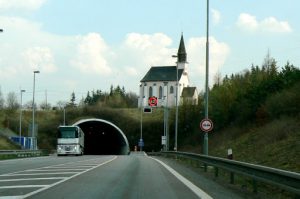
68	134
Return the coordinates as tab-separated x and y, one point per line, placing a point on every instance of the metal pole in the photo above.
141	134
33	109
176	122
20	130
176	104
167	120
165	106
64	115
205	145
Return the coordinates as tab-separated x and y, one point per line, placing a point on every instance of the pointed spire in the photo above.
181	55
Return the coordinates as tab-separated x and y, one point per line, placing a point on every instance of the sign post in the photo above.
141	144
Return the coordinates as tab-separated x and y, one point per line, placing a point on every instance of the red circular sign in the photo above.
206	125
152	101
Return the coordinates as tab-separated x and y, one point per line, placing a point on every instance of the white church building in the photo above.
161	82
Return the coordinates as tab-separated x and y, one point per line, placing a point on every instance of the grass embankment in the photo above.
276	144
5	144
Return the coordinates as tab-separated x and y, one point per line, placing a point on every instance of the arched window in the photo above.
150	91
160	94
171	90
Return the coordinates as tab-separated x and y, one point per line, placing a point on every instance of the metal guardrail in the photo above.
286	180
20	153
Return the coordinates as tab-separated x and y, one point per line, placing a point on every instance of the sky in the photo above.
84	45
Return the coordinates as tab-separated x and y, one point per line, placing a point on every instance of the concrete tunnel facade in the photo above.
102	137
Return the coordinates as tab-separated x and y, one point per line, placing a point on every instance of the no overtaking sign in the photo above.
206	125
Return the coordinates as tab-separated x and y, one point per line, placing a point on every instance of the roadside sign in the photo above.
147	110
152	101
163	140
141	143
206	125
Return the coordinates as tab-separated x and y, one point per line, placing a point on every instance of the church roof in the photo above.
188	91
162	73
181	54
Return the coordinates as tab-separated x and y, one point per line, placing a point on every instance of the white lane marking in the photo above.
31	179
59	182
65	167
44	170
35	174
22	186
199	192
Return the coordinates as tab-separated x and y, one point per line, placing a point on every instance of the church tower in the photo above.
182	56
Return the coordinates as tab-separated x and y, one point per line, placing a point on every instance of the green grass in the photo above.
5	144
276	144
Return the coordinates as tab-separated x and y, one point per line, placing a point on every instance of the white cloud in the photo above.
216	16
131	71
39	58
249	22
148	50
218	53
91	55
21	4
271	24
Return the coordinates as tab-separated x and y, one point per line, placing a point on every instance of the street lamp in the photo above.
205	144
20	130
33	109
176	119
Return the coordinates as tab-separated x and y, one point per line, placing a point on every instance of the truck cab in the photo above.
70	140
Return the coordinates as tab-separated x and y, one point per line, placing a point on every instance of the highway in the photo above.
133	176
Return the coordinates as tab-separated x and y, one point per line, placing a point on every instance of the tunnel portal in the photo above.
103	138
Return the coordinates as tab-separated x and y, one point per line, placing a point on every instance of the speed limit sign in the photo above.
206	125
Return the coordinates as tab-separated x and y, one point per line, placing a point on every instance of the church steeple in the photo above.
181	55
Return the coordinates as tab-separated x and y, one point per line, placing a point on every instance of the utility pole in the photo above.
205	144
21	106
34	144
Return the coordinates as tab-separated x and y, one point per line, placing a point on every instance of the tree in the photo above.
12	102
45	106
72	100
1	100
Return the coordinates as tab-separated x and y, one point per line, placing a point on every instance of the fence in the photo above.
8	154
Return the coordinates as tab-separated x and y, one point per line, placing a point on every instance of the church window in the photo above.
160	94
171	90
150	91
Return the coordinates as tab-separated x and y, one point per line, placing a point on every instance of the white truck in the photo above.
70	140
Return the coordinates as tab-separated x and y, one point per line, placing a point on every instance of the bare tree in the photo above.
12	101
1	100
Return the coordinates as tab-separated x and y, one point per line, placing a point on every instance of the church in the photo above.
161	82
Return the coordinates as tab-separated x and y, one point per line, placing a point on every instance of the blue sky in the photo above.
84	45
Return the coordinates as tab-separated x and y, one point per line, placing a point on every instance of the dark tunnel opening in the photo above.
103	138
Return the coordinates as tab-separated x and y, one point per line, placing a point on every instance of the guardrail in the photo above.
8	154
286	180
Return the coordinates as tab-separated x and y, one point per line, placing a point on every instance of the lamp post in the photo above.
64	115
20	130
33	109
176	102
205	144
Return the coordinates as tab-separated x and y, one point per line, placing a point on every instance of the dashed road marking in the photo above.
57	173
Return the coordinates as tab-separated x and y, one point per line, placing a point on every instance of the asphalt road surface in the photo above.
113	177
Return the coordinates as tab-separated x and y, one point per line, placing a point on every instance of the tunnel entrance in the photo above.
103	138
